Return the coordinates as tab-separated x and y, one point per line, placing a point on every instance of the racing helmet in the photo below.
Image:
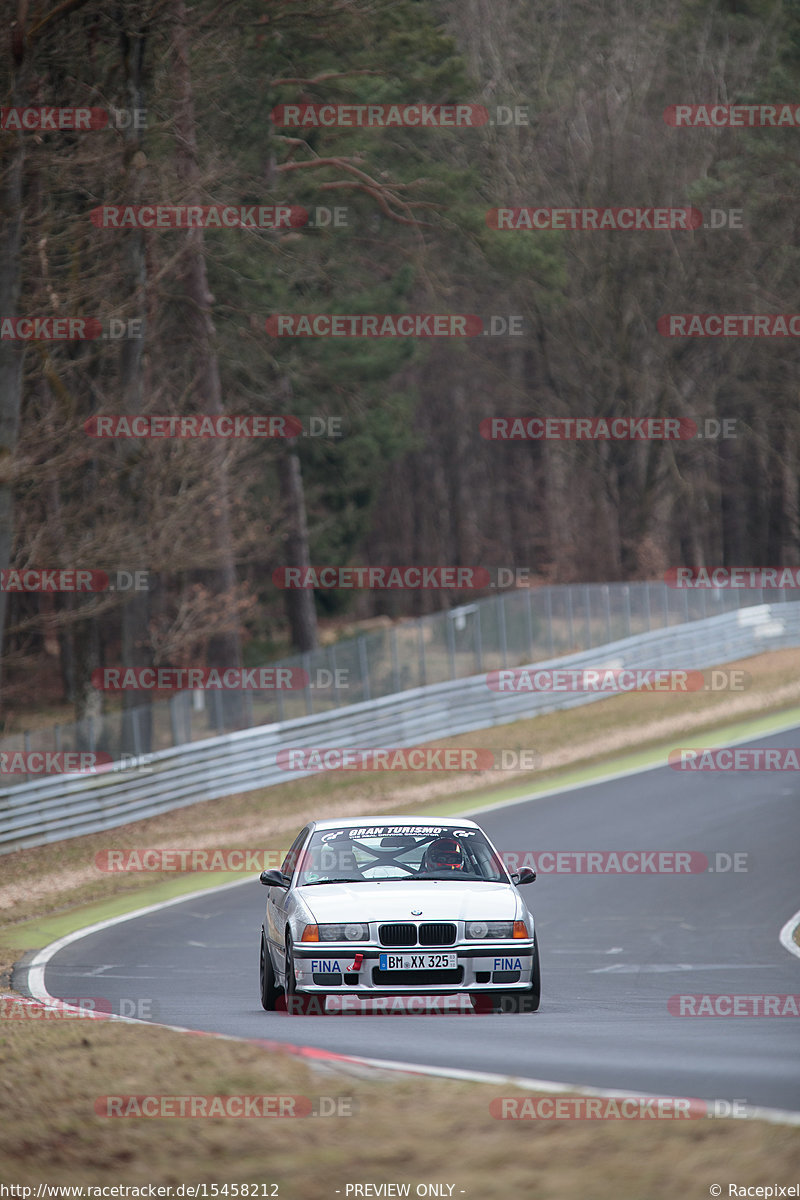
445	854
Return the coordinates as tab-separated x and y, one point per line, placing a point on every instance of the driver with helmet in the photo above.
444	854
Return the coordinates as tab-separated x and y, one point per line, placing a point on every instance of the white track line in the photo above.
786	935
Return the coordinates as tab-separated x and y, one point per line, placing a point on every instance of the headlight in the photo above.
344	933
490	929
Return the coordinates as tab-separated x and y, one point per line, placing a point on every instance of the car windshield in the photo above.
392	852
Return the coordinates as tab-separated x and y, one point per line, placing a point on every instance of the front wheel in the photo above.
524	1001
269	988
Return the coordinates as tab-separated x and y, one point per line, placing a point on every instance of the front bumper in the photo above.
328	968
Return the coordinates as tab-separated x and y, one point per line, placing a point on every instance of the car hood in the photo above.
386	901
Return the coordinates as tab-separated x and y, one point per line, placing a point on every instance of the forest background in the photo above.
406	477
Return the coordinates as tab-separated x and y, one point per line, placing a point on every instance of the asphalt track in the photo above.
614	949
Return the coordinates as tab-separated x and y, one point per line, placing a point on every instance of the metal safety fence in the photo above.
55	808
510	628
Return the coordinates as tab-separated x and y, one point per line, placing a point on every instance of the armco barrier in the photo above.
507	629
59	807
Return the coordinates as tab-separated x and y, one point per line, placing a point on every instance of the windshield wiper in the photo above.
456	875
317	882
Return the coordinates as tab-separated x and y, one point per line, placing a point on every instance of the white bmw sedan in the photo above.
386	906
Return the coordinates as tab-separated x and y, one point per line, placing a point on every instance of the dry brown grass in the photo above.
404	1129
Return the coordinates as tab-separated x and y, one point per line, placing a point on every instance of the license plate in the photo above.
418	962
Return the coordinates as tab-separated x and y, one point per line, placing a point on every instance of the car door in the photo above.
278	901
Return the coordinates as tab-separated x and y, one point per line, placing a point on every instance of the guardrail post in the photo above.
309	699
421	640
451	646
137	740
362	659
178	735
569	619
529	622
549	606
478	636
588	611
501	621
220	723
333	668
395	661
627	598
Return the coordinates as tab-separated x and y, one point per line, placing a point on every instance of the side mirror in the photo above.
526	875
274	879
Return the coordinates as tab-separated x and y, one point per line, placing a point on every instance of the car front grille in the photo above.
398	935
439	933
430	933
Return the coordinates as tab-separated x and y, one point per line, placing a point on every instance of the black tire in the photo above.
525	1001
269	988
300	1004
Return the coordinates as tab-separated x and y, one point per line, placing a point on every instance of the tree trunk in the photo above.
137	733
300	610
11	353
224	648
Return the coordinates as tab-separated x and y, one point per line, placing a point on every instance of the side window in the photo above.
289	864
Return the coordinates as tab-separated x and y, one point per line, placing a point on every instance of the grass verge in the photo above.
402	1129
